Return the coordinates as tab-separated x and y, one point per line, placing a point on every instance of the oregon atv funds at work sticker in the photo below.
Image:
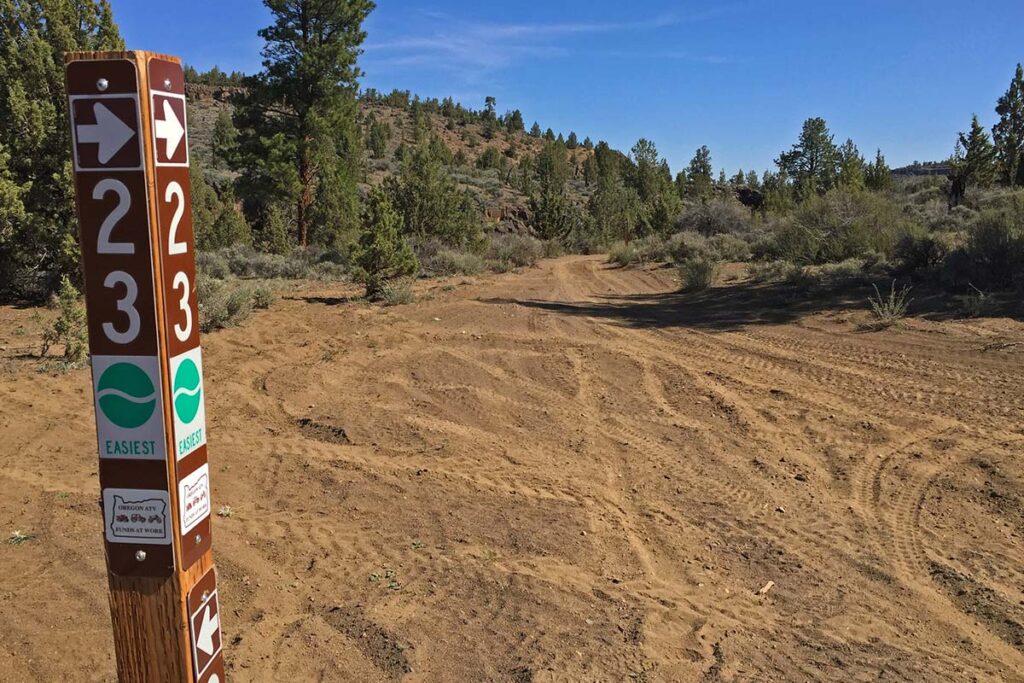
137	516
189	410
129	420
194	498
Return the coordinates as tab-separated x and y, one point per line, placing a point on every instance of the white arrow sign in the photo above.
170	129
109	132
204	640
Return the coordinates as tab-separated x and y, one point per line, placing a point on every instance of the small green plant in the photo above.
698	273
19	537
622	254
389	577
70	328
225	511
889	310
397	292
263	297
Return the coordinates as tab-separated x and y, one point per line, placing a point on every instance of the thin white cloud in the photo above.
474	51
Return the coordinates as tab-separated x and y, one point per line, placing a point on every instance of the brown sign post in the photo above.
130	151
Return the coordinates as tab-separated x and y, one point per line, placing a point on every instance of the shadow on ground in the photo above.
740	305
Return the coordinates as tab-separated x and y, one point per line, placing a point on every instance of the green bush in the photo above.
519	251
651	249
685	245
839	225
729	247
995	248
716	217
920	252
397	292
263	297
698	273
622	254
222	304
69	329
452	262
891	309
771	271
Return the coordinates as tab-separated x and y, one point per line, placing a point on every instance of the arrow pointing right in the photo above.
109	132
204	640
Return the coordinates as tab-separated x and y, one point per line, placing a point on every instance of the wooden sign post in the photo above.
130	152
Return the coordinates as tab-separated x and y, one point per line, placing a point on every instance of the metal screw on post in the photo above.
199	539
140	555
102	85
167	83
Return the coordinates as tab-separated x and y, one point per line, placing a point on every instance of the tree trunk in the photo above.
305	200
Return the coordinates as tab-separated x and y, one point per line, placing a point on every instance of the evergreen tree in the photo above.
514	122
811	163
572	142
549	135
588	143
377	137
38	233
535	131
430	201
382	254
973	162
700	185
552	214
1008	133
299	143
877	175
852	168
225	139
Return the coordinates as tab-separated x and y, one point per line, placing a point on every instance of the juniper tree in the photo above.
299	142
225	139
38	233
877	175
382	254
851	166
1008	133
973	162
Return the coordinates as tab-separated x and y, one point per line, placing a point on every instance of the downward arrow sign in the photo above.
109	132
170	129
204	641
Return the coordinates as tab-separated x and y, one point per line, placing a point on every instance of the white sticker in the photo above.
129	413
194	498
189	402
137	516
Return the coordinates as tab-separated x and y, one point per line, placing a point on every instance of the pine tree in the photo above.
38	233
811	163
572	142
535	131
878	176
382	254
299	142
1008	133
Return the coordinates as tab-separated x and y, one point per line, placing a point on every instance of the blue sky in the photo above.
740	77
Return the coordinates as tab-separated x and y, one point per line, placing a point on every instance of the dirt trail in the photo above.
568	474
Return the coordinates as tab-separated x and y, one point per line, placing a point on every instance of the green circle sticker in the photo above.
187	393
126	395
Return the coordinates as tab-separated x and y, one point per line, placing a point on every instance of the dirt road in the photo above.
568	474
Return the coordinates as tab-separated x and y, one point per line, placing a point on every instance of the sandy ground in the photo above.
567	474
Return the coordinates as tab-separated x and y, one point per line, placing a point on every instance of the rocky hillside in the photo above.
502	202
